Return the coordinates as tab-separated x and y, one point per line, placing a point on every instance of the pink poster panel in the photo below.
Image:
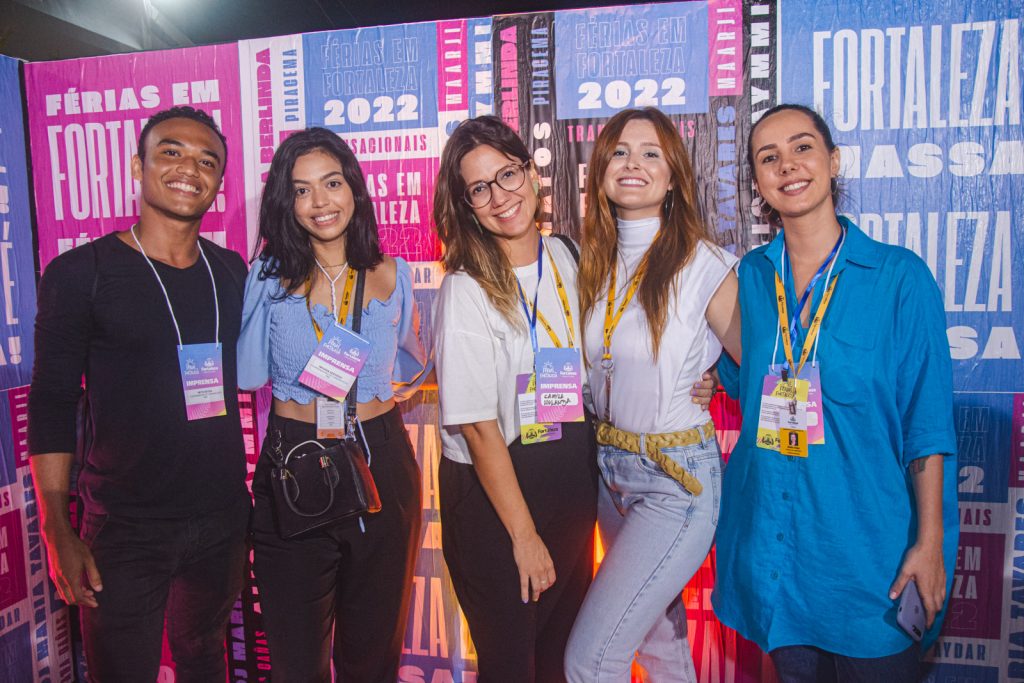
401	191
85	116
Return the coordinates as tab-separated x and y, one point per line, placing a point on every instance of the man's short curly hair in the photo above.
182	112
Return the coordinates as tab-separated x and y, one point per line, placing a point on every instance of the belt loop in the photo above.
704	438
643	444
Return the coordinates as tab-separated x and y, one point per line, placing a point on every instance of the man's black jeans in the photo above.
187	569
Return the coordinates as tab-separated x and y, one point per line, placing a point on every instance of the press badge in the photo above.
330	418
815	414
777	395
559	385
793	429
336	362
531	431
202	378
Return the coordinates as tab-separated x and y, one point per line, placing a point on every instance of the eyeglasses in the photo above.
509	178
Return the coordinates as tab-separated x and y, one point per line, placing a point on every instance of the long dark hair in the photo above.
285	243
771	215
682	223
467	246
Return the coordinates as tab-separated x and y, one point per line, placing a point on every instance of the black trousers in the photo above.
341	580
188	570
521	643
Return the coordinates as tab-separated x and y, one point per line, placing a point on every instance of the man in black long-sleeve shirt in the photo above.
165	503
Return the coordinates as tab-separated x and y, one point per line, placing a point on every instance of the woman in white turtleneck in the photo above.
659	301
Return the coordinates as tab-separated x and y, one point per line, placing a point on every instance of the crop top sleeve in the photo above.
277	340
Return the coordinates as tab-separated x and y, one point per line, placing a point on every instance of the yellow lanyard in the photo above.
812	332
566	309
611	321
612	316
346	302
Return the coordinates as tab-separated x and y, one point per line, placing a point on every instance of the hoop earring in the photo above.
834	185
667	204
765	209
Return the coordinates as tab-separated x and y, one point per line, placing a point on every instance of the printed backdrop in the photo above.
925	100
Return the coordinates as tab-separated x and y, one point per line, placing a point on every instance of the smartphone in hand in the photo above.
910	615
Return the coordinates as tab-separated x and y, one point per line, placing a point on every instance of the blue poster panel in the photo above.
607	60
17	263
35	626
372	79
925	101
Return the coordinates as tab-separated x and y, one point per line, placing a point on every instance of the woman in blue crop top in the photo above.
350	582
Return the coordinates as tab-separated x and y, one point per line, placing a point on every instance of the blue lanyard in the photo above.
532	318
794	323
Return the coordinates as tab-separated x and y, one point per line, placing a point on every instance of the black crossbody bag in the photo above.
315	485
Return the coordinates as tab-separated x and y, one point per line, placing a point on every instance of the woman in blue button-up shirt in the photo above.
814	551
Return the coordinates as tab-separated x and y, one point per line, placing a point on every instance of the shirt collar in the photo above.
858	248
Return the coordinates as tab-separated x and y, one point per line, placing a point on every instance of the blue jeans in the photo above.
656	536
806	664
189	570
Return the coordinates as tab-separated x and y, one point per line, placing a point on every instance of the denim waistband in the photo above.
652	446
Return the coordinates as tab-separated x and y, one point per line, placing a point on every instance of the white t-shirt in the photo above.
648	396
478	353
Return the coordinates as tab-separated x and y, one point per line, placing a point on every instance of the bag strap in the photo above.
357	317
570	245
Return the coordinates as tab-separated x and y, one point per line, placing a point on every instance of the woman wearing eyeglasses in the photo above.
518	498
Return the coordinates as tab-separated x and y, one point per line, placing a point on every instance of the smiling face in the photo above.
323	200
793	167
182	171
638	176
510	215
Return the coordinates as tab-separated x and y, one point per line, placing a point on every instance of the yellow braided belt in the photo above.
628	441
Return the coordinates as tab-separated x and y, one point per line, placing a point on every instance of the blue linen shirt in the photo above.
277	339
808	547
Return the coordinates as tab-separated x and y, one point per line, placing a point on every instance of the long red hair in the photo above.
682	224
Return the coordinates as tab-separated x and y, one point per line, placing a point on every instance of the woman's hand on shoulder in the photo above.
703	391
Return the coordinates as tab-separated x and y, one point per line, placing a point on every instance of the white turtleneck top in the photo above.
651	396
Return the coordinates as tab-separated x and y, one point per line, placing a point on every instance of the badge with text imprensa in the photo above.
776	394
793	429
559	385
330	418
531	431
811	372
336	362
202	377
